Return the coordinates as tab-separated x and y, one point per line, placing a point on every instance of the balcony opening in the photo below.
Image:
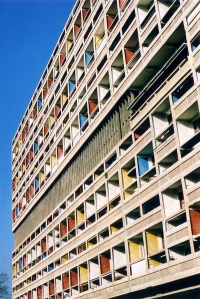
146	10
152	35
129	20
162	122
146	165
129	178
168	161
178	251
151	204
173	199
188	126
192	178
182	89
141	129
167	9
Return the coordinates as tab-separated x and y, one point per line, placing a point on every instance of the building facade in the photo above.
106	160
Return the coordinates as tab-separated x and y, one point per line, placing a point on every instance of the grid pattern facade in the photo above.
106	160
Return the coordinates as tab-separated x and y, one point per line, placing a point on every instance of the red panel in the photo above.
31	190
23	136
195	221
128	55
76	30
39	293
85	12
51	288
59	151
74	278
27	161
65	282
13	184
26	129
71	223
29	295
136	135
105	264
58	296
31	155
20	206
63	229
62	58
57	110
92	107
46	129
50	81
109	21
121	3
24	260
44	93
13	215
27	195
34	113
43	245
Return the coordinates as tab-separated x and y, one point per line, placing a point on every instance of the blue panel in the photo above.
39	104
71	86
20	264
50	267
36	183
87	58
143	165
83	119
35	147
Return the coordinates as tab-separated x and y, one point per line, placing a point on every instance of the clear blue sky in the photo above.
29	30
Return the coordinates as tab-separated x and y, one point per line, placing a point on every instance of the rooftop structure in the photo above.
106	160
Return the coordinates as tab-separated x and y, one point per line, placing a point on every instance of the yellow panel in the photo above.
69	43
64	99
51	120
80	217
127	180
64	259
153	263
53	160
152	243
134	251
41	175
97	41
83	274
114	229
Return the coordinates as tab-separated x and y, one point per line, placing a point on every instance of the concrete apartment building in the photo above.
106	160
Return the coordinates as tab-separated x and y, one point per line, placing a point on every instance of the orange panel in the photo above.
20	206
63	229
44	93
27	195
13	215
31	155
128	55
51	288
76	30
92	107
23	136
39	293
121	3
65	282
195	221
50	81
105	264
26	129
62	58
85	11
109	21
74	278
71	223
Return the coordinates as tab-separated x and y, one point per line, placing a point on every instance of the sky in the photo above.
29	31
